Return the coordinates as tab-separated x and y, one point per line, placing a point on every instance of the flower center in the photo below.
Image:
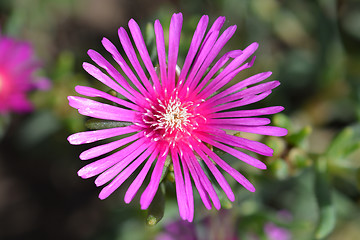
172	116
170	120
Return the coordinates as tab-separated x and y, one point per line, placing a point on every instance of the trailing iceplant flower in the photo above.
174	113
17	67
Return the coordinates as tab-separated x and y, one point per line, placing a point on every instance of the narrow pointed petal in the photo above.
240	85
203	195
194	46
239	121
124	66
117	168
248	113
97	135
174	42
220	43
95	109
240	155
101	165
235	174
153	186
99	75
244	143
120	179
92	92
189	192
218	65
263	130
160	44
180	186
242	102
136	184
251	91
130	52
204	180
218	176
108	147
102	62
140	44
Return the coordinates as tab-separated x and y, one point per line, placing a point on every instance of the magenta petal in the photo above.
174	41
218	65
244	101
93	136
101	165
180	186
201	57
251	91
108	147
235	174
240	155
140	44
160	44
204	180
124	66
118	167
248	113
189	192
203	195
220	43
102	62
92	92
263	130
130	52
244	143
239	121
242	84
120	179
136	184
153	186
95	109
218	176
194	46
96	73
217	25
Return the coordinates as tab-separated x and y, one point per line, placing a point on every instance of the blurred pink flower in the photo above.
274	232
178	230
175	113
17	67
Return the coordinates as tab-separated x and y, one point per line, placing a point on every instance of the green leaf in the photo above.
64	65
358	178
166	167
4	124
277	144
281	120
327	216
345	143
157	207
298	139
280	168
96	124
299	158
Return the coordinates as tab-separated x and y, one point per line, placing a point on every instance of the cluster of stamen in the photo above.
174	116
169	119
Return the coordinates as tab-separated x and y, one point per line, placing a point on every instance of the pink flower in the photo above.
274	232
17	66
174	113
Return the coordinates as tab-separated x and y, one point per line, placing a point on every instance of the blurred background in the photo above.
312	186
